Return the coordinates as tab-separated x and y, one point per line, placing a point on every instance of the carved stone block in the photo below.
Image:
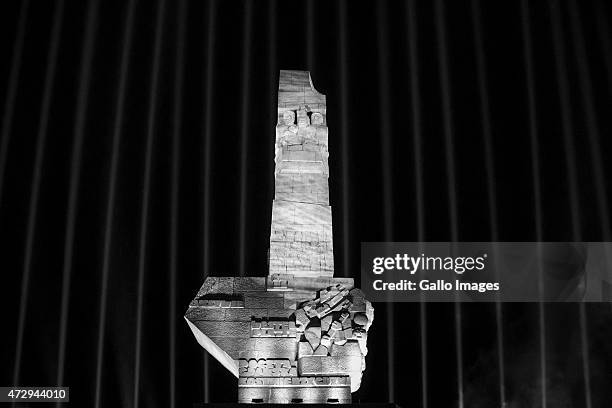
304	349
249	284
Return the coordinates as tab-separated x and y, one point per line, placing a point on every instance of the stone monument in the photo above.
298	335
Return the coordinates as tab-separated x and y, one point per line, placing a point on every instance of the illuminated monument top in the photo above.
298	335
301	236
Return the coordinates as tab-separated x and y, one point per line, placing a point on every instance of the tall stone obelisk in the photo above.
298	335
301	238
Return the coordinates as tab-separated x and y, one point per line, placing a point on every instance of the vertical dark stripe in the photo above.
415	98
584	342
41	139
537	190
144	210
387	166
417	147
207	155
532	118
310	34
568	143
593	132
174	188
450	172
490	176
344	130
447	119
386	157
273	72
112	189
208	122
566	118
75	176
244	133
11	94
486	119
596	162
273	82
272	63
603	32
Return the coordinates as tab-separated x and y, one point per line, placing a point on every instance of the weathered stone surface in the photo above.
246	314
313	336
304	349
261	367
273	328
329	365
326	323
231	329
290	381
216	285
350	348
339	339
240	347
319	390
321	350
213	302
360	319
263	300
279	314
289	212
205	313
249	284
301	320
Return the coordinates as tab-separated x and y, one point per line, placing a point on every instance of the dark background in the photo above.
409	160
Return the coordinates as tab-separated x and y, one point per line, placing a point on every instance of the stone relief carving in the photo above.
316	119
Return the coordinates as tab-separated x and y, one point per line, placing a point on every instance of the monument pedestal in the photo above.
354	405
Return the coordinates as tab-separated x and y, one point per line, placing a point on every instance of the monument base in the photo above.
238	405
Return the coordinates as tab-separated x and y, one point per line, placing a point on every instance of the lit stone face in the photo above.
299	334
288	118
